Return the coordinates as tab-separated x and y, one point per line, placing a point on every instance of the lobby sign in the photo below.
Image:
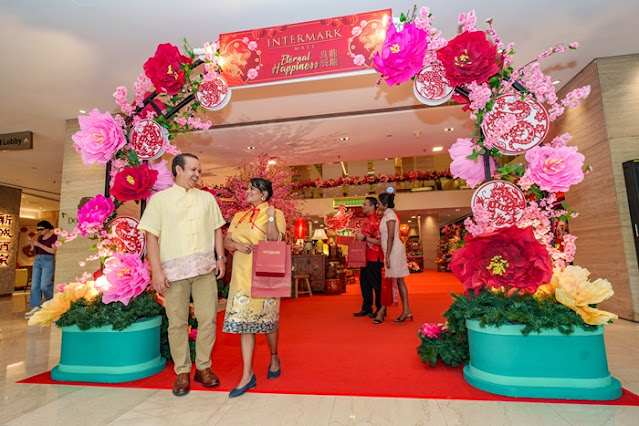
16	141
304	50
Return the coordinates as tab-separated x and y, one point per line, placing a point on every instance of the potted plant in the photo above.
527	325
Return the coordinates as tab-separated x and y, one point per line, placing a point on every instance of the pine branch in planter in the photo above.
95	313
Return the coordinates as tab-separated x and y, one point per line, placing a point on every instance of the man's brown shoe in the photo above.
182	384
206	377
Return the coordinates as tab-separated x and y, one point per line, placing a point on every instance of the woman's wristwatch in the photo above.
222	258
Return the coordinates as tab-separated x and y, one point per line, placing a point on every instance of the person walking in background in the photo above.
370	277
43	266
185	249
246	315
395	263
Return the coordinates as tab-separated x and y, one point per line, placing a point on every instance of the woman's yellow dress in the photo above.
246	314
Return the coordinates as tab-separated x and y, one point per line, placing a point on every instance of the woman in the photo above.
394	255
246	315
43	266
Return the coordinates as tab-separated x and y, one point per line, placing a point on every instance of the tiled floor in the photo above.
25	351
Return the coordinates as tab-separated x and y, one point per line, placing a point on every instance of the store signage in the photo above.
16	141
304	50
7	234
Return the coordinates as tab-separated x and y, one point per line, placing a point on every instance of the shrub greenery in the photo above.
496	309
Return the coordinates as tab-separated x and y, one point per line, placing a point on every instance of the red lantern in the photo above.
403	229
300	228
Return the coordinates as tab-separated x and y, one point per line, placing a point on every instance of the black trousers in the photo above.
370	280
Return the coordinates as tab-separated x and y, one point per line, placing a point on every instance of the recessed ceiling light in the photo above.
271	162
250	148
438	148
449	129
316	221
556	82
456	210
82	111
409	221
413	217
344	138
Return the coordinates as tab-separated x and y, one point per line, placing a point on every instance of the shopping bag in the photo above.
269	258
272	284
389	291
356	254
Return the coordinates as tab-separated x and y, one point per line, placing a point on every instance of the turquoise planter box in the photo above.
102	355
548	365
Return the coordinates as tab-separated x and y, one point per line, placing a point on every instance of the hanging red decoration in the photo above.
403	229
300	228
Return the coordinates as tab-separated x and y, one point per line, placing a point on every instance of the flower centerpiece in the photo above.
514	266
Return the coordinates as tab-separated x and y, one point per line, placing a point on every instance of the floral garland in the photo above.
165	95
367	180
502	266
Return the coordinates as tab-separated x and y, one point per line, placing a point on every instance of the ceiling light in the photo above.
82	111
344	138
413	217
438	148
315	221
271	162
409	221
556	82
456	210
449	129
250	148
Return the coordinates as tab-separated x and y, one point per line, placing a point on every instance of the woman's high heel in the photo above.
378	320
404	318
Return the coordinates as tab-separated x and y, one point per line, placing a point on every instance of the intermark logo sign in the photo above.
16	141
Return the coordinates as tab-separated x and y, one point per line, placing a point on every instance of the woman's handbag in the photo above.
271	270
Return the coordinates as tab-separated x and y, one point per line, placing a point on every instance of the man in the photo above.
185	249
370	277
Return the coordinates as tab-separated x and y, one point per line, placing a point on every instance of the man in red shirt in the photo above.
370	278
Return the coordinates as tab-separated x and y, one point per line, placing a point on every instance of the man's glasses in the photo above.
39	229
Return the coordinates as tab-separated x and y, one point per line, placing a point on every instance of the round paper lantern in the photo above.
300	228
403	229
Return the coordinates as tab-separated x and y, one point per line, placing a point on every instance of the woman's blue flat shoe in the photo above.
240	391
274	374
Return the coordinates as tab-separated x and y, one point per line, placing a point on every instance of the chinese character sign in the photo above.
303	50
8	238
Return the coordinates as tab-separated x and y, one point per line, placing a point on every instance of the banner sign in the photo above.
16	141
309	49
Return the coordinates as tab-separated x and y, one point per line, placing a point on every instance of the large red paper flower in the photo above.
134	183
402	54
165	69
469	57
509	257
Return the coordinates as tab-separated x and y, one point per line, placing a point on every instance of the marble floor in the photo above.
26	351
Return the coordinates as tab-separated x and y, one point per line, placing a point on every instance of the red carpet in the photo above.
326	351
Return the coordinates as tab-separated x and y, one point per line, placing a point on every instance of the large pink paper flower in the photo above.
508	257
555	169
465	168
128	277
99	137
92	215
165	177
402	54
